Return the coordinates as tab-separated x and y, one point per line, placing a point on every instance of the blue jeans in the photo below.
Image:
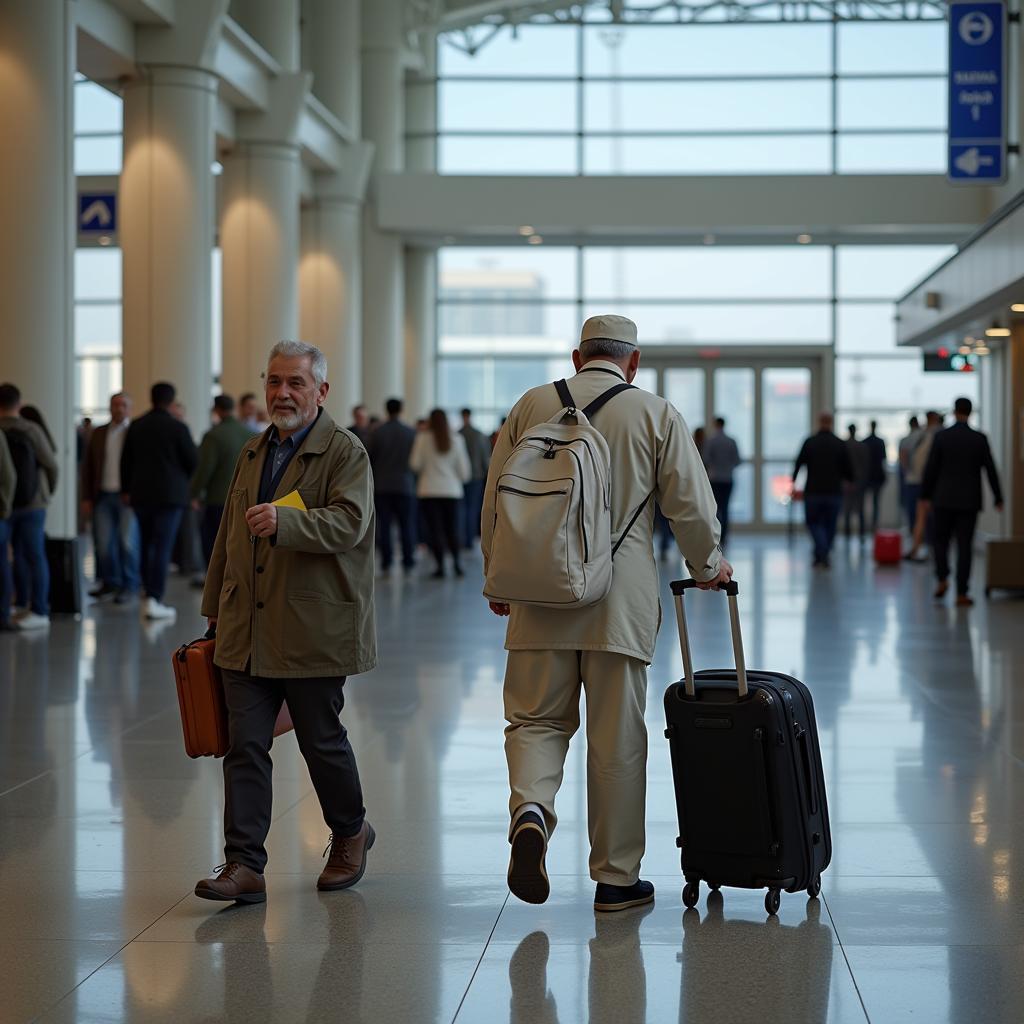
472	509
116	532
821	513
6	581
31	569
158	527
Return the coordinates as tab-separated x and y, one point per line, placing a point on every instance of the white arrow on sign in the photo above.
97	210
971	161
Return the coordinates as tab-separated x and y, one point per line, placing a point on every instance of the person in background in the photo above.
923	526
157	463
35	465
8	483
218	454
952	486
249	413
360	425
875	448
33	415
855	490
721	456
906	451
827	461
389	448
441	461
478	445
115	528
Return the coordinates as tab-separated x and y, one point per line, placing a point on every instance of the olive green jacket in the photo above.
218	455
300	604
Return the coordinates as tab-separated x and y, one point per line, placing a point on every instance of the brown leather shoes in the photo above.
347	860
234	882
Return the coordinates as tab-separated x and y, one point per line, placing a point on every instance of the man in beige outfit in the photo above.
604	648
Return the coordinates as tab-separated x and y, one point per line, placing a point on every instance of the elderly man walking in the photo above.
290	592
604	648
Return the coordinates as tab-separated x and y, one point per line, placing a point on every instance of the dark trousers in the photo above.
31	567
209	524
959	523
875	493
722	493
472	508
158	528
442	515
6	580
911	493
853	504
821	513
395	508
315	706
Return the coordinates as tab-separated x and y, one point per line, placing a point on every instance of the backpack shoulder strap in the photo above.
598	403
564	394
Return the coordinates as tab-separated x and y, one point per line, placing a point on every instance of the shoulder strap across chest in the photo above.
565	396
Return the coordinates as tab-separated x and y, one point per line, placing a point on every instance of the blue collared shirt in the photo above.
279	455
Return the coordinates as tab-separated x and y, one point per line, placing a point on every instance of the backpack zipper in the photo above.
528	494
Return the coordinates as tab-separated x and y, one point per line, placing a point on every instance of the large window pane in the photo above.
879	47
507	155
706	106
532	50
741	504
785	410
734	401
96	379
892	154
722	324
898	383
508	328
893	103
520	272
507	106
708	272
706	50
98	156
733	154
885	271
97	109
866	327
684	388
776	488
98	329
98	274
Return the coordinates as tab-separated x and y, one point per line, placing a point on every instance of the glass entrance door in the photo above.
767	401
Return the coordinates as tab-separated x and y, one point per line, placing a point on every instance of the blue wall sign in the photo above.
977	91
97	213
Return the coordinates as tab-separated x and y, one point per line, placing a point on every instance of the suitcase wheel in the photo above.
773	901
814	888
714	887
691	893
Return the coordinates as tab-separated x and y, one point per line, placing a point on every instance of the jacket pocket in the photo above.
319	631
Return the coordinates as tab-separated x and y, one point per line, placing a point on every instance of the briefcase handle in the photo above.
732	590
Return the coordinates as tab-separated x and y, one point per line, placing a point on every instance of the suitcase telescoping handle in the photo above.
679	588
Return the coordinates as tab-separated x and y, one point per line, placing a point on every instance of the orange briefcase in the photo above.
204	712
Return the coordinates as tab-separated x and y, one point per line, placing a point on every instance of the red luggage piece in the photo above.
888	547
204	712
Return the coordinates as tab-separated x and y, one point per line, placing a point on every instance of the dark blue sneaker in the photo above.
527	877
608	898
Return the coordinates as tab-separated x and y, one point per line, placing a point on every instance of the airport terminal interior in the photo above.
803	206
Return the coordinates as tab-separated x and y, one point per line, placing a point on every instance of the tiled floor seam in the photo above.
483	953
846	959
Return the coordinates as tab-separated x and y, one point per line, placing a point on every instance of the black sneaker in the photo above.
527	878
100	592
609	898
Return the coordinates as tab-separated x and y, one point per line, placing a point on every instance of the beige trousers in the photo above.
542	707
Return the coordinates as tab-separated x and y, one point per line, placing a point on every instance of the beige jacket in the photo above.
299	605
439	474
651	451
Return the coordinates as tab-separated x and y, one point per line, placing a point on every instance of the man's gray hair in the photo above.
597	348
291	349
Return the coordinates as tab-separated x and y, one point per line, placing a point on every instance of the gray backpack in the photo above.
552	539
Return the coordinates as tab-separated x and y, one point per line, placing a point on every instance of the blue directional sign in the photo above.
97	213
977	91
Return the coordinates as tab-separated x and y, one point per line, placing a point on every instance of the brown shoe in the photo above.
940	590
234	882
964	601
347	860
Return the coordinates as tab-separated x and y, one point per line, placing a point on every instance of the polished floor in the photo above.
105	825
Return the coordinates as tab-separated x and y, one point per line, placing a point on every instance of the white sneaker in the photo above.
153	609
32	621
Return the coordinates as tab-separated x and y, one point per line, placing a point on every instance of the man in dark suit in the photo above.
827	461
157	463
389	447
952	484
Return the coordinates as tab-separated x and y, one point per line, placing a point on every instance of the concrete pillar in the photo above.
259	237
383	124
331	50
274	24
37	66
167	217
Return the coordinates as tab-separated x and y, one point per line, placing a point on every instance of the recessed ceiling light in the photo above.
804	239
995	331
535	240
526	230
104	239
982	350
1018	307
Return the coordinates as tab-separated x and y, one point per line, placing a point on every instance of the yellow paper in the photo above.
293	500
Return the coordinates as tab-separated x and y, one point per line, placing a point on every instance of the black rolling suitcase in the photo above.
750	793
62	556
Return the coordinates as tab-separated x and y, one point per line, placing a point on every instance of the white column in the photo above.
37	66
259	237
331	50
274	24
167	219
383	125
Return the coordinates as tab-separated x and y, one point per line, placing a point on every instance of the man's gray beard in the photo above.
287	420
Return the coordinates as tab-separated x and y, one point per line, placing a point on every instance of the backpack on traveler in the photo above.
552	541
23	455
